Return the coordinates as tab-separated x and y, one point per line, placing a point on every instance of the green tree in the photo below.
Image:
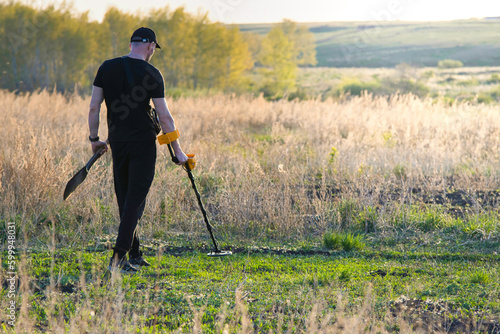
254	42
176	34
278	56
19	35
303	41
209	51
221	58
118	26
287	46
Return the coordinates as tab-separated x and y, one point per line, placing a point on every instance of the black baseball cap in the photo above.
144	35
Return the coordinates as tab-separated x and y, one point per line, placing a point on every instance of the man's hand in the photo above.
94	110
179	154
182	158
97	145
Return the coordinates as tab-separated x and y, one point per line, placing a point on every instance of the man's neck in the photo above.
135	56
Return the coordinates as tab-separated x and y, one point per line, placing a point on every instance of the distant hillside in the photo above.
387	44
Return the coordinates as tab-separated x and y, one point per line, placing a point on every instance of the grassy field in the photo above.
473	84
387	44
356	214
262	291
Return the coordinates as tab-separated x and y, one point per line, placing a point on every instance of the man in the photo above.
127	84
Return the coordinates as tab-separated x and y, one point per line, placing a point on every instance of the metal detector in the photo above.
188	166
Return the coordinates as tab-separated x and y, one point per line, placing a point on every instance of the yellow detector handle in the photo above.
191	161
168	138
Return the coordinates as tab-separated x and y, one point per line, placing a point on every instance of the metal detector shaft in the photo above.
198	196
209	227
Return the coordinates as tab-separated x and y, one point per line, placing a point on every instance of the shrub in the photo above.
404	86
445	100
494	79
271	92
489	96
495	93
346	242
355	87
299	94
350	242
380	87
428	74
485	98
450	63
332	240
470	82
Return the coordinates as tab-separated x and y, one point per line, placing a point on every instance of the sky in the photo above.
268	11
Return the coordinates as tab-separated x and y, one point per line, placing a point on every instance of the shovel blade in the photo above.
75	182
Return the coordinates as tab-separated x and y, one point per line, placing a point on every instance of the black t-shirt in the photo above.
128	104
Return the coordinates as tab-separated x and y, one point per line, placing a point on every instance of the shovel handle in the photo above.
96	156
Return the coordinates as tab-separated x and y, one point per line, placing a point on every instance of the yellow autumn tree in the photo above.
286	46
118	30
277	56
239	59
303	41
222	56
56	47
177	36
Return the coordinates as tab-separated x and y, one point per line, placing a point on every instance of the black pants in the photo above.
133	172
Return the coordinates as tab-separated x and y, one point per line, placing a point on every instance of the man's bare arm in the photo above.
168	125
94	112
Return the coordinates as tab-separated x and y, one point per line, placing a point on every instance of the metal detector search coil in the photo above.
219	254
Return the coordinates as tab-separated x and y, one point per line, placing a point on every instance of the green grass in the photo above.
268	292
345	241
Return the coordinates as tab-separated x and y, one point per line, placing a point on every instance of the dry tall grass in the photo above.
265	169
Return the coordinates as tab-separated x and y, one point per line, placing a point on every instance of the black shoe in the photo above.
123	265
138	261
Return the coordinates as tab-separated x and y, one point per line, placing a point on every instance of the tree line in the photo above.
54	47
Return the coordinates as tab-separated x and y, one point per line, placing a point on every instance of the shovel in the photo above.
81	175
